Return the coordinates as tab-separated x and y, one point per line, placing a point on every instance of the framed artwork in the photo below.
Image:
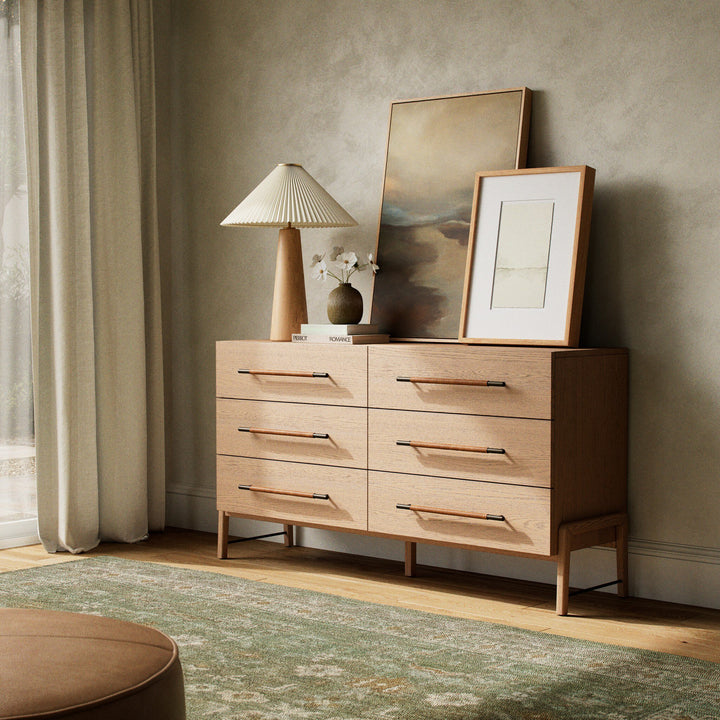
435	146
526	259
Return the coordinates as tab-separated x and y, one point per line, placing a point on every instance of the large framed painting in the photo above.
526	260
435	146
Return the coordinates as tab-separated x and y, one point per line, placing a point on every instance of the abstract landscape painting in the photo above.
435	147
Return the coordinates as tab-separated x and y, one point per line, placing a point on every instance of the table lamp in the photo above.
289	198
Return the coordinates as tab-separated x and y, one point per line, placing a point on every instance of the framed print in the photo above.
526	259
434	148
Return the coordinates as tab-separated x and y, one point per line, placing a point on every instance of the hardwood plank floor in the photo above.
634	622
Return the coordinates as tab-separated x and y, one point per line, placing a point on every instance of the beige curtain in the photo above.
88	87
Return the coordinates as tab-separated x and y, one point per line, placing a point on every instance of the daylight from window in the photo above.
18	506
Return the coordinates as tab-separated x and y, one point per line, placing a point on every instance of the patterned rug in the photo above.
256	651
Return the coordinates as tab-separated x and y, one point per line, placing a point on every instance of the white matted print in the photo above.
525	271
521	259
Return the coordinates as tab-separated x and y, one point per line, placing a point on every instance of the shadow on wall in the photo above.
631	300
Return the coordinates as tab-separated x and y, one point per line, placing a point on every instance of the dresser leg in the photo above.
289	538
603	530
563	571
223	521
621	550
410	556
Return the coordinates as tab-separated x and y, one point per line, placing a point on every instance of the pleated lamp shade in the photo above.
289	196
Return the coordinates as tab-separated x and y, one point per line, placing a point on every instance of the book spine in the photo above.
338	330
298	338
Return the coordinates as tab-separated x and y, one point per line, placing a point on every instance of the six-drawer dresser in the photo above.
517	450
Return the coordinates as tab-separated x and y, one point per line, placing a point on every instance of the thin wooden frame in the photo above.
434	147
511	295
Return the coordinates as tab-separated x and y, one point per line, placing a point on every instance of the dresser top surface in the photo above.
397	346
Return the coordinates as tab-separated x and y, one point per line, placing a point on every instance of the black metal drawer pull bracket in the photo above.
285	433
446	446
290	493
454	513
450	381
285	373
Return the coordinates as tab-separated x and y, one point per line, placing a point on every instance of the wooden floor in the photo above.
665	627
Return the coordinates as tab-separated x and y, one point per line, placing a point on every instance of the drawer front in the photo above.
526	512
346	489
323	434
325	374
525	372
458	442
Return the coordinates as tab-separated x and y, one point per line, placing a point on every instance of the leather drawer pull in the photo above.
285	433
292	493
443	446
285	373
451	381
455	513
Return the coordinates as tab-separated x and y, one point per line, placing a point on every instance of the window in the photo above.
18	505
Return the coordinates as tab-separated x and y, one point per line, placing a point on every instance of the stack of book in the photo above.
350	334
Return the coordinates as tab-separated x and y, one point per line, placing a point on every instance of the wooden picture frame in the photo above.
434	147
527	255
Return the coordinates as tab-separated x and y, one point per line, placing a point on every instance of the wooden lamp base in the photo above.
289	304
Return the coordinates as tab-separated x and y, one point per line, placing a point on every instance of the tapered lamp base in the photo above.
289	304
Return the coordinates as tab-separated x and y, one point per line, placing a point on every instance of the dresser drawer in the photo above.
525	512
323	434
316	495
449	378
444	445
324	374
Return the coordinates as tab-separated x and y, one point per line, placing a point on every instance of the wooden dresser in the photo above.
510	450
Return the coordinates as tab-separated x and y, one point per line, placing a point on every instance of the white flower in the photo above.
372	265
347	261
342	265
321	271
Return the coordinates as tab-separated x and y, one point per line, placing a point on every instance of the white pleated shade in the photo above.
289	196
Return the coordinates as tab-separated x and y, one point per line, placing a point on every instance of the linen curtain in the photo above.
88	86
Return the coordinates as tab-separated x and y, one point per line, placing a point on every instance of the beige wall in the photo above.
630	87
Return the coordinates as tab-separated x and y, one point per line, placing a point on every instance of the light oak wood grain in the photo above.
346	428
346	367
526	460
557	416
346	506
589	438
526	528
289	308
526	374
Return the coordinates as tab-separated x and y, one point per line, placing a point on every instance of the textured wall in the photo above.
630	87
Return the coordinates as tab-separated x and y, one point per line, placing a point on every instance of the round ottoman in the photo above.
58	664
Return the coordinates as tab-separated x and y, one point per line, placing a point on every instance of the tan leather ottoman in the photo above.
82	667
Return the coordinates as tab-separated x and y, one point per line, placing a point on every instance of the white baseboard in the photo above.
671	572
18	533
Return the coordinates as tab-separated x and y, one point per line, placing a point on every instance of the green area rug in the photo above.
256	651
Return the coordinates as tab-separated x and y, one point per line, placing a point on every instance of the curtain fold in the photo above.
88	86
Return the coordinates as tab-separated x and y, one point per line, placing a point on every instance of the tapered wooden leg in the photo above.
222	547
410	557
289	540
621	550
563	571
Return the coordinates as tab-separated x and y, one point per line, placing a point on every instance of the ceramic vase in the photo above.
345	305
